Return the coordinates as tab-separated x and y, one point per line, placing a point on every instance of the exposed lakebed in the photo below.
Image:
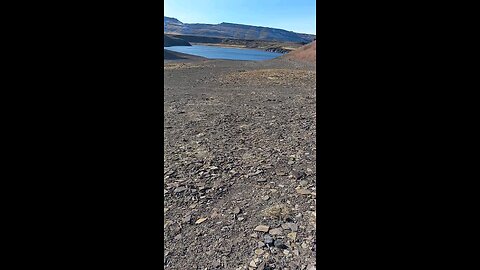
215	52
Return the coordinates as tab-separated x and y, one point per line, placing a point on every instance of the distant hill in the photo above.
307	53
174	41
234	31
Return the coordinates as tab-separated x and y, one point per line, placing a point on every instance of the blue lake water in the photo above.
215	52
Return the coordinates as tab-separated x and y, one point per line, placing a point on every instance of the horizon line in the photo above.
244	24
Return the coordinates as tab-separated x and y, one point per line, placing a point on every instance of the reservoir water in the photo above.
215	52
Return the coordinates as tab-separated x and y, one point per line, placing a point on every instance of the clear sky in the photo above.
292	15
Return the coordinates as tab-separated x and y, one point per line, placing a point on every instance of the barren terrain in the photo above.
239	165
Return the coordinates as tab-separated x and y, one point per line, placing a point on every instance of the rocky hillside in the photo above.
174	41
234	31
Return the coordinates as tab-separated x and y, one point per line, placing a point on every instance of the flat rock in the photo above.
292	236
259	251
276	231
261	228
303	191
290	226
200	220
180	189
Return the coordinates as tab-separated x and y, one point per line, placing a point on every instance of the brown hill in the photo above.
307	53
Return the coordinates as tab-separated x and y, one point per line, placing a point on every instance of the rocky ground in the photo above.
239	165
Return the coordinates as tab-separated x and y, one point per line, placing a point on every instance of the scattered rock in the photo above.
259	251
298	174
266	198
180	189
303	191
276	211
187	219
279	244
276	231
261	228
200	220
290	226
292	236
268	239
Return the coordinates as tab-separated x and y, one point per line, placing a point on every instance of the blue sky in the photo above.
293	15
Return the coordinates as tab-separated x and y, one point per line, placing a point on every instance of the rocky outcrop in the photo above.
278	50
174	41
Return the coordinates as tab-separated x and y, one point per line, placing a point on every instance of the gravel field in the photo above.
239	165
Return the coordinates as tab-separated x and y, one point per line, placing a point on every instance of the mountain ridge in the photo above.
233	30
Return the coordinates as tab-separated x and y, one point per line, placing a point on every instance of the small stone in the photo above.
303	191
259	251
298	175
279	244
180	189
291	162
292	236
286	252
303	183
276	231
187	219
260	244
178	237
254	235
289	225
261	180
266	198
241	218
253	264
200	220
216	263
304	245
236	210
261	228
268	239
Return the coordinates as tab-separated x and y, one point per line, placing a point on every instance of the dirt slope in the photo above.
307	53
